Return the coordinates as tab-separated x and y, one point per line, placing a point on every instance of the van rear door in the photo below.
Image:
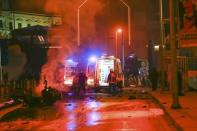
103	69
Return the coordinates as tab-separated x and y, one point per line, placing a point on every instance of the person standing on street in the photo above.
112	81
154	79
82	78
75	85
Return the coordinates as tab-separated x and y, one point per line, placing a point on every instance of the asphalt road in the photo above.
130	111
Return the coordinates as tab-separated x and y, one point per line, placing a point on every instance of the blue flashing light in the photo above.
92	59
70	61
70	94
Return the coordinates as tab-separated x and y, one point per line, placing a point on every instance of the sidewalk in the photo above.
184	118
6	102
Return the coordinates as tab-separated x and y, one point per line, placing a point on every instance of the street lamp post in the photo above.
123	60
173	40
116	46
161	44
129	21
78	22
123	51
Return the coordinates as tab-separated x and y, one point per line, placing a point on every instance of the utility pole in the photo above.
129	20
161	49
78	22
123	60
173	5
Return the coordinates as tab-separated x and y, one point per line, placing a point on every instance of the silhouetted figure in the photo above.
5	78
75	85
112	81
166	83
179	83
154	78
82	78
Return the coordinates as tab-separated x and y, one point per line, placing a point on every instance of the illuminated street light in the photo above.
116	48
119	30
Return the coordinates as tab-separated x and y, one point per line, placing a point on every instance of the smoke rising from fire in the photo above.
65	36
17	61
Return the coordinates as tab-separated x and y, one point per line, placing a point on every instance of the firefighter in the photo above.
112	81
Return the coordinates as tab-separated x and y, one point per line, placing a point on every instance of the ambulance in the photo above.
70	71
98	71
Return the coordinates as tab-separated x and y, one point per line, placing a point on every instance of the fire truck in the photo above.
98	71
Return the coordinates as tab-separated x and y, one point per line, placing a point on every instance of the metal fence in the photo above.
16	88
187	63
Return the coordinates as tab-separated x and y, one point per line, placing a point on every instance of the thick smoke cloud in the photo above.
65	36
68	9
17	61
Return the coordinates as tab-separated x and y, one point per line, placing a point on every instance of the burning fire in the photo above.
65	36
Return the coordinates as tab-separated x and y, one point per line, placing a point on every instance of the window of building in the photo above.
28	25
1	24
10	26
19	25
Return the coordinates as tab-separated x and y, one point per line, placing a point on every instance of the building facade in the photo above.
12	19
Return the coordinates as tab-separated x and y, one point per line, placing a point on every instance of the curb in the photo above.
6	105
177	126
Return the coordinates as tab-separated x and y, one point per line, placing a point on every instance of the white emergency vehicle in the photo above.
98	71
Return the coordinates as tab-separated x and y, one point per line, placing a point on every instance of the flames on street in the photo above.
65	37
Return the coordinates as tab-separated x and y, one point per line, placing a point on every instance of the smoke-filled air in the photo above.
17	61
64	37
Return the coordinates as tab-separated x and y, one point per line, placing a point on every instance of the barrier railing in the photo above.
16	88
